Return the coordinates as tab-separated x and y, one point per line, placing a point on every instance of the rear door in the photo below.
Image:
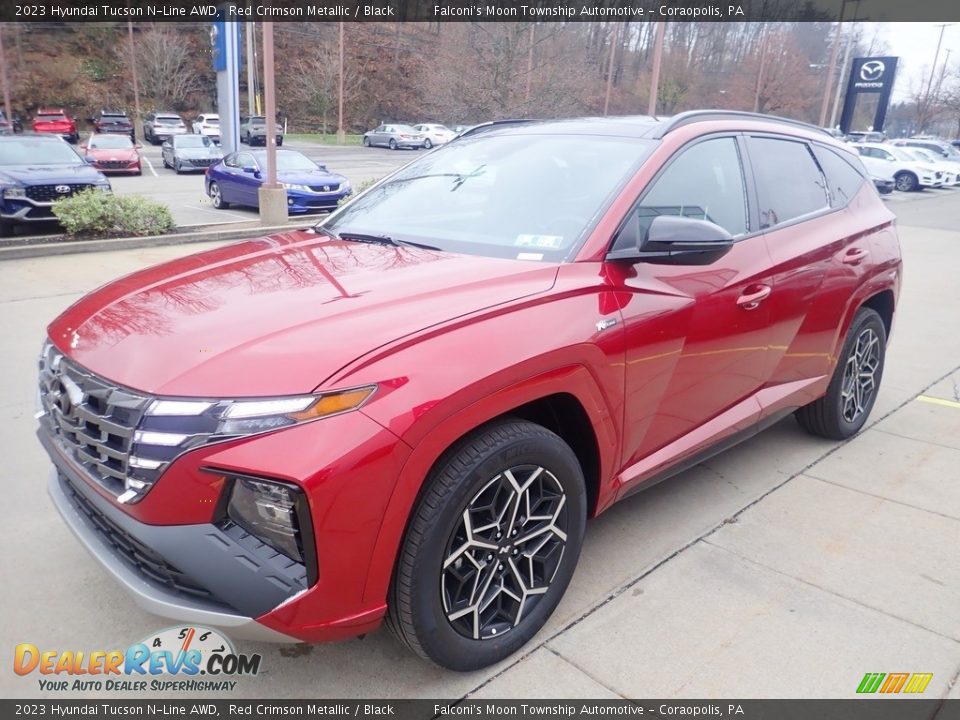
818	252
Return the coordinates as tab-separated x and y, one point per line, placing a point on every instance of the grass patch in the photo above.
325	138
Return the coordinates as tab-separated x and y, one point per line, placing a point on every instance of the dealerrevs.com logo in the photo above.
185	653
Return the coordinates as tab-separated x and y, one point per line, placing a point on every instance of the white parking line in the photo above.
221	213
149	164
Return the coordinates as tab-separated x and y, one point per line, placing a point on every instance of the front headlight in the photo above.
292	186
103	187
14	193
346	186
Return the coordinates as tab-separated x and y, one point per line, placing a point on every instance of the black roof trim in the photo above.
694	116
494	124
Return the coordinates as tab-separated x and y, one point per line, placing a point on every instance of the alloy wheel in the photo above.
504	552
859	375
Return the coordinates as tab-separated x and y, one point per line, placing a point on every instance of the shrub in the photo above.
96	213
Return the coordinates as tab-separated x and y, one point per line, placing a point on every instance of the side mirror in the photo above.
673	240
89	160
250	170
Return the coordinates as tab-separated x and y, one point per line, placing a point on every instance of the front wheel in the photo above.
491	546
906	182
216	196
856	380
366	142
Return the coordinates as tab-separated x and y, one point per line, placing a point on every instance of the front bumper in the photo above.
147	595
299	201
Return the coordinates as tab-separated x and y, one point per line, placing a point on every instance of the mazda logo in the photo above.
62	189
872	70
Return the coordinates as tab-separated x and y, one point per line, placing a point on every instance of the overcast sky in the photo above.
915	45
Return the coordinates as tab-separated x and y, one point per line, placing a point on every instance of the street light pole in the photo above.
655	79
613	52
133	72
341	131
3	79
936	57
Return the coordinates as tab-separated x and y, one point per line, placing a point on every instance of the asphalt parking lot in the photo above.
787	567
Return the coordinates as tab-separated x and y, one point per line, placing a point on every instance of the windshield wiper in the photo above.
382	239
459	178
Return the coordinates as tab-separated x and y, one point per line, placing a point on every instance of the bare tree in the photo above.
167	75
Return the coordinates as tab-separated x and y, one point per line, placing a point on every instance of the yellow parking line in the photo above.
939	401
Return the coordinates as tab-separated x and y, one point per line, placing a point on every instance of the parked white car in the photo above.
910	174
949	168
882	173
436	134
208	124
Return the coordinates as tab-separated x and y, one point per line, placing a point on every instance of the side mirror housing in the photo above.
250	170
674	240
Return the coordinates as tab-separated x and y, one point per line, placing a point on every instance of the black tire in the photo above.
475	470
366	142
906	181
393	144
427	144
163	159
279	142
845	408
216	197
177	168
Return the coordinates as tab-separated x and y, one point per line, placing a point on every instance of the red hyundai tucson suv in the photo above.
408	412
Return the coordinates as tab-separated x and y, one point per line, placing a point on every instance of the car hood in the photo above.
109	154
310	177
198	153
48	174
276	315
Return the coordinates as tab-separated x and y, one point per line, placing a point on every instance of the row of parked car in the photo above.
911	164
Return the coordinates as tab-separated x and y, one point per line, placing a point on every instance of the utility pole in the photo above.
272	196
655	75
138	120
341	131
936	57
832	68
251	70
3	80
843	74
533	28
763	62
613	51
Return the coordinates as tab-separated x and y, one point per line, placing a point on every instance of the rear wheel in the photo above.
279	142
906	181
427	144
393	144
216	197
491	546
856	380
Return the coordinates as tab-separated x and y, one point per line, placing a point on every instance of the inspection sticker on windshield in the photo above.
549	242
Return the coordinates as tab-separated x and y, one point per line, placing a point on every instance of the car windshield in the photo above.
111	142
24	151
168	120
288	160
519	195
50	118
192	141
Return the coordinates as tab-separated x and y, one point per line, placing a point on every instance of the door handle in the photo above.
853	256
753	296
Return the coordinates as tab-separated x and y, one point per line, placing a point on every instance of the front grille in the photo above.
113	164
333	187
92	419
145	561
49	193
201	162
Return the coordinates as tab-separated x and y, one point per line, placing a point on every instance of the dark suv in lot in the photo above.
409	412
35	172
114	121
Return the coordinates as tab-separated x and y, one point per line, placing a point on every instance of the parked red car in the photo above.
56	122
410	410
113	154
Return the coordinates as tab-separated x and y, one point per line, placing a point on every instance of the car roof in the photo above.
646	126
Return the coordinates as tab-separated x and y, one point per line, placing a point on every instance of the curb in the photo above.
46	249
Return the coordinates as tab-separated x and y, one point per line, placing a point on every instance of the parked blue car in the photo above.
236	180
35	172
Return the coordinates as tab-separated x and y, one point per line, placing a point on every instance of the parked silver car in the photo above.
253	131
394	137
189	152
160	126
436	134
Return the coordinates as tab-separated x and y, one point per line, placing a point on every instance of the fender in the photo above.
574	380
887	277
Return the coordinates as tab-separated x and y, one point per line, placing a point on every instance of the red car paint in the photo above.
685	368
109	161
55	122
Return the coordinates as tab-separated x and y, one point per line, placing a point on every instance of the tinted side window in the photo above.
843	179
703	182
231	160
789	183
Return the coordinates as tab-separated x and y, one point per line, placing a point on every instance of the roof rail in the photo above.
495	123
693	116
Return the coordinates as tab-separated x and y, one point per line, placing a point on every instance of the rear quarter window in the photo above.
844	178
789	181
